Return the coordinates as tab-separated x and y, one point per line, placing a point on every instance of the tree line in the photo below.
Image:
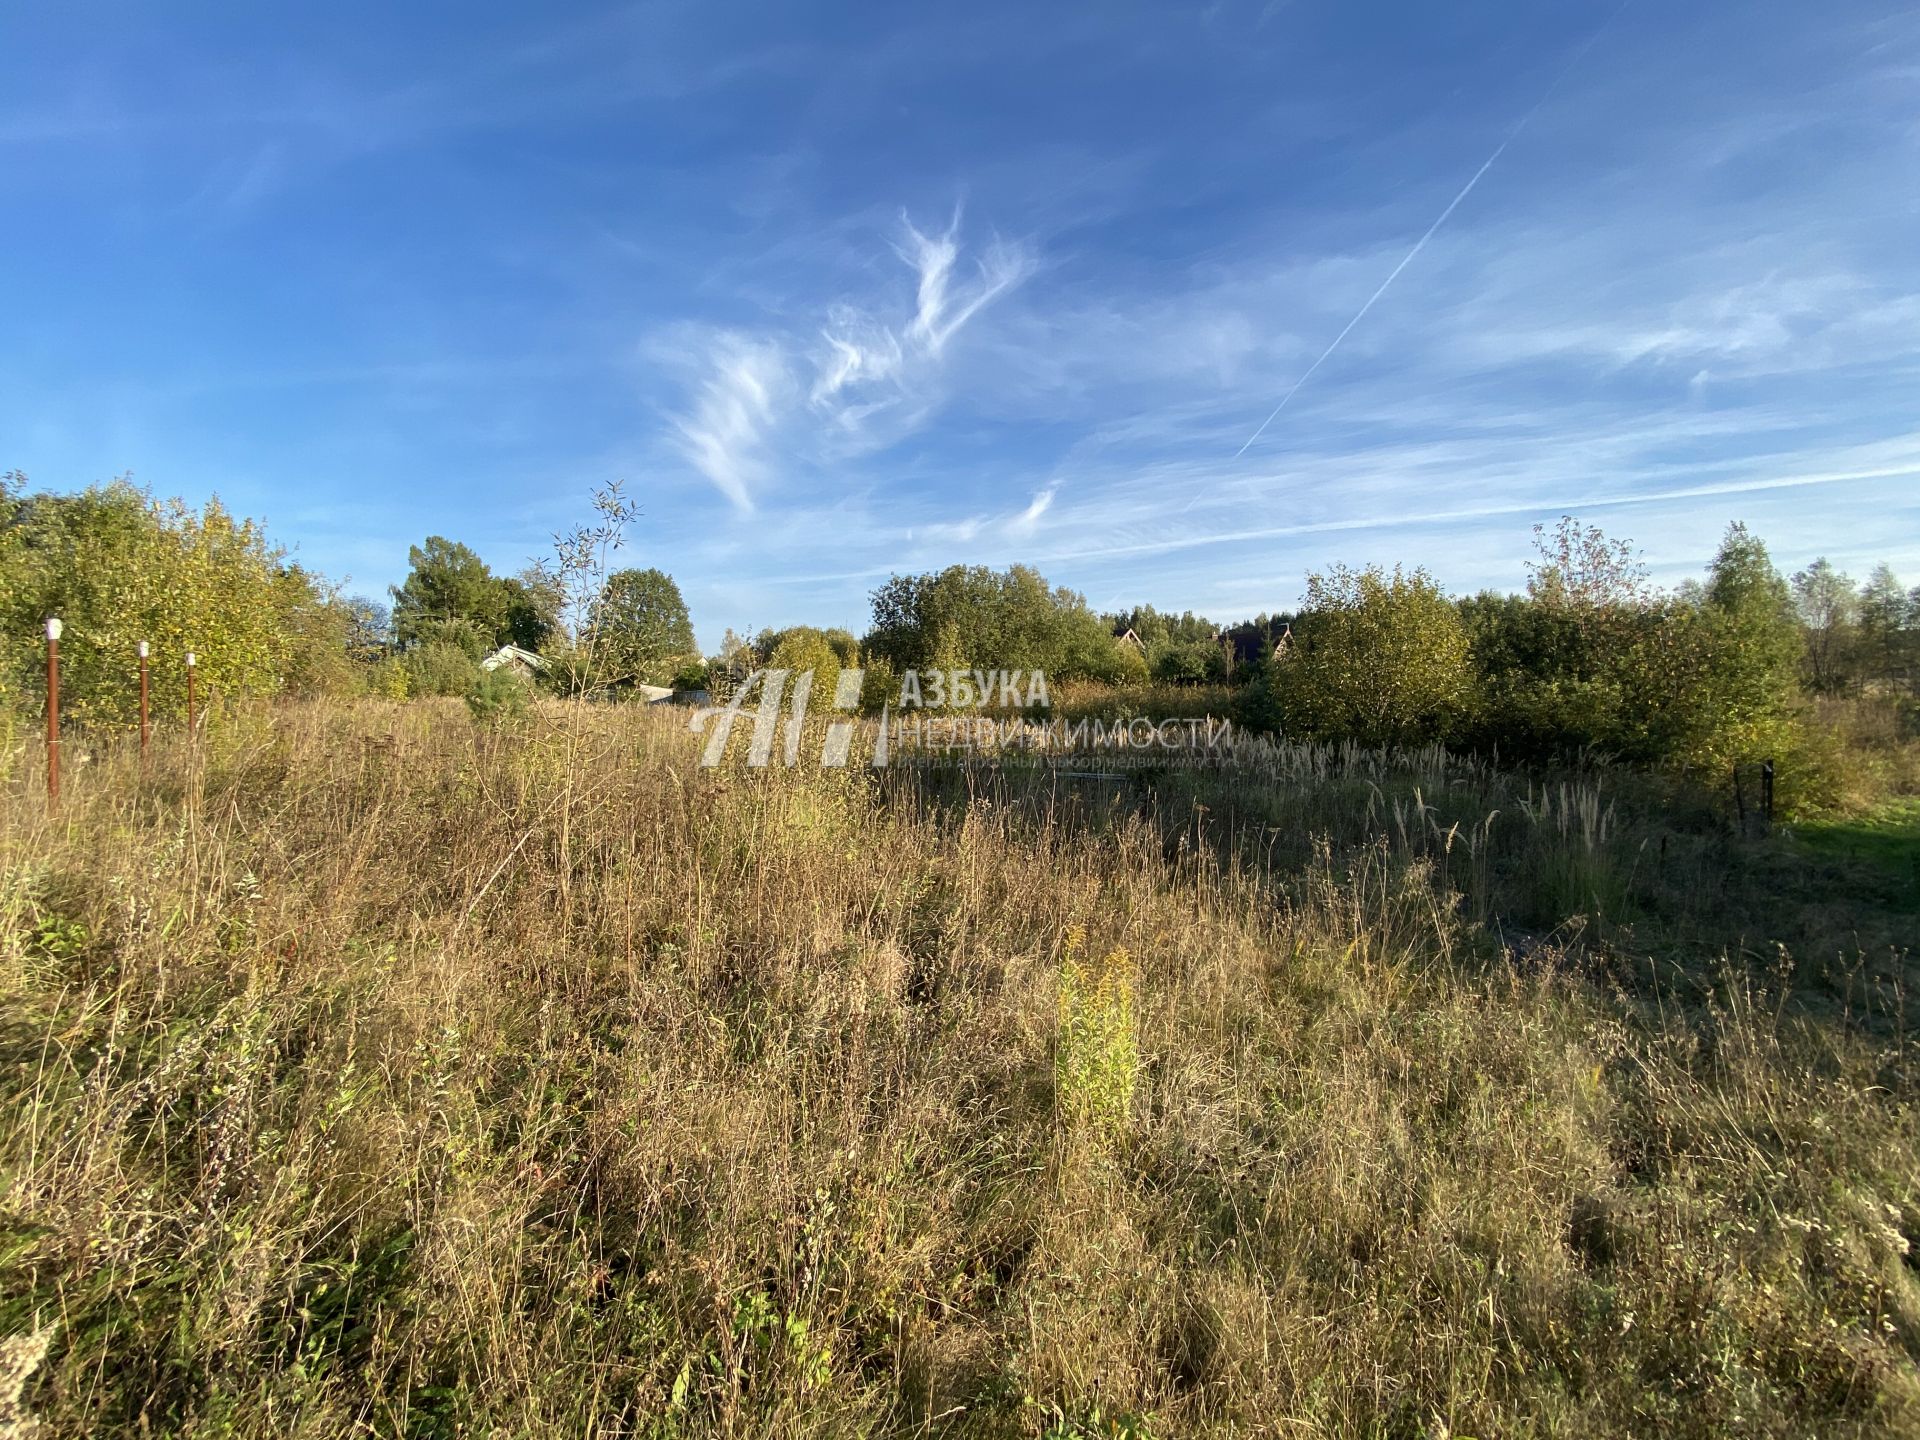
1589	658
119	566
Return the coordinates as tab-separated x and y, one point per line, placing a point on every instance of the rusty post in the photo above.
143	700
190	730
53	711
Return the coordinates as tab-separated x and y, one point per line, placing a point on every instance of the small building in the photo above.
523	663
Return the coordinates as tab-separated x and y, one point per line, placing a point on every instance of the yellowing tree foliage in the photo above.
1379	657
119	567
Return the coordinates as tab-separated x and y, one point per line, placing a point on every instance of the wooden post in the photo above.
53	711
1766	788
190	731
143	700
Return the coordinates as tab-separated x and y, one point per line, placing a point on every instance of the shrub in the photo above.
497	696
1191	662
1097	1060
388	679
1126	667
1381	658
879	685
804	649
440	668
119	567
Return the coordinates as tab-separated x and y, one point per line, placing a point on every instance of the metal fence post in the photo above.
54	628
190	729
143	700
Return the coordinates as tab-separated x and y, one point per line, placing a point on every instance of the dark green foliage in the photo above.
691	676
532	611
1157	628
1189	662
498	695
844	644
640	626
449	593
1591	660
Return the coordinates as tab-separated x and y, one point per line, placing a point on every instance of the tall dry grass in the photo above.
369	1071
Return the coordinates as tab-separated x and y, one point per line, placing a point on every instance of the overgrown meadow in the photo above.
371	1069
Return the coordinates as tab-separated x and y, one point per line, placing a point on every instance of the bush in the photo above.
1380	658
1191	662
388	679
119	567
802	649
498	696
879	685
440	667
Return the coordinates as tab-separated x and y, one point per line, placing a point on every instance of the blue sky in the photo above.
843	291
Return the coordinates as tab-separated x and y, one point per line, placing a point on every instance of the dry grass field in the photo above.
372	1071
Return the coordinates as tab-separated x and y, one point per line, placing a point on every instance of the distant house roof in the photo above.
1127	637
513	655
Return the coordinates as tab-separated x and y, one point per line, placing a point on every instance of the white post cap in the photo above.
54	627
189	659
143	649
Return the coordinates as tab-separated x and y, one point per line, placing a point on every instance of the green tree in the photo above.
532	606
1158	630
369	629
1591	658
845	644
1828	605
1886	622
1188	662
120	567
1584	571
642	627
971	617
15	641
804	648
451	596
319	629
1744	689
1378	657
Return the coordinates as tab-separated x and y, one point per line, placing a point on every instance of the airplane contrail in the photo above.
1361	314
1421	243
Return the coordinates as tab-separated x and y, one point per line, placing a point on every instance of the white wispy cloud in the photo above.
725	436
864	377
941	310
1027	521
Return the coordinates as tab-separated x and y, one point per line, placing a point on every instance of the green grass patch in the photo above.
1886	838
